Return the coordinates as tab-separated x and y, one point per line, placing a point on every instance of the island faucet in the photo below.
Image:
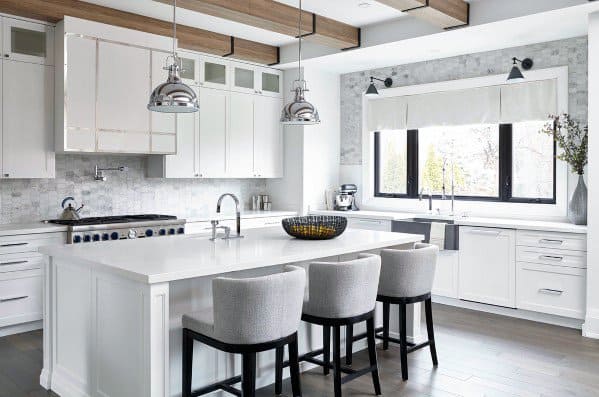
237	211
430	199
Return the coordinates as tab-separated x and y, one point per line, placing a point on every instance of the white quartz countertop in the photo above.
189	256
505	223
11	229
229	215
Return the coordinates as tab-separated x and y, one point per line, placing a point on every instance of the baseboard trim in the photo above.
45	379
20	328
517	313
590	328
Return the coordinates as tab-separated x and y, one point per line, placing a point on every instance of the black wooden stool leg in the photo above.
279	370
337	359
403	347
372	355
349	339
326	343
386	313
428	308
294	369
248	376
187	363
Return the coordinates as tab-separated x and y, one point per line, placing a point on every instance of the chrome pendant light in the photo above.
174	96
300	111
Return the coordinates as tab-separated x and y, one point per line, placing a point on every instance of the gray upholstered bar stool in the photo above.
341	294
407	277
248	316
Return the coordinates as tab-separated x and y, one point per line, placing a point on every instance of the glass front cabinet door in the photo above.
244	78
214	72
271	81
28	42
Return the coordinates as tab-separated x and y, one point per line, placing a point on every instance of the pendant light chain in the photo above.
174	30
299	55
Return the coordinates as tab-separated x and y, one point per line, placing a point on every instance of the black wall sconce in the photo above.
372	91
515	73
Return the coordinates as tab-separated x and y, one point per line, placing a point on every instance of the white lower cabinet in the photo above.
446	275
205	227
487	271
381	225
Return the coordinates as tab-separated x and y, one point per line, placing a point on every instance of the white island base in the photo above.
112	312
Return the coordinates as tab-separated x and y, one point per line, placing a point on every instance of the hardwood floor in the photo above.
479	355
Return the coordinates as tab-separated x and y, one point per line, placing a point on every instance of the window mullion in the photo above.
412	166
505	162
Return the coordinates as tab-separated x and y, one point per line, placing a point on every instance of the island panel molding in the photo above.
189	37
279	18
443	13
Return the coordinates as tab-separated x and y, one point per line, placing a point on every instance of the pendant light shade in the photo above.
299	111
174	96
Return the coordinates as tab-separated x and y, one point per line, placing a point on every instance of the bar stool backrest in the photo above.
343	289
257	310
408	273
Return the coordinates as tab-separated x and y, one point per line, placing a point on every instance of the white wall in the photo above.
591	326
311	152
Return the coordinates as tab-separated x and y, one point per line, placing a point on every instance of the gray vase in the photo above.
577	208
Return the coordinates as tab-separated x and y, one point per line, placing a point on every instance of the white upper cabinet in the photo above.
241	136
270	82
162	125
214	124
27	122
268	137
28	41
252	79
214	72
190	67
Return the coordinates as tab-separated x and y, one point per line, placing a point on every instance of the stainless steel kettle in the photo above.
70	213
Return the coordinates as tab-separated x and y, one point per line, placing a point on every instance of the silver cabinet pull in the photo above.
485	232
552	258
550	291
13	244
14	298
550	241
13	263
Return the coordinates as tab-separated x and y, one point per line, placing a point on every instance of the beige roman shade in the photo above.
534	100
458	107
386	114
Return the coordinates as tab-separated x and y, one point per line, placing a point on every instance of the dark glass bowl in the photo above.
318	227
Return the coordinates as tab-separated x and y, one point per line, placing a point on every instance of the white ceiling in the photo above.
354	12
347	11
536	28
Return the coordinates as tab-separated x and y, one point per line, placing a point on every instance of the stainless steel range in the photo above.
104	228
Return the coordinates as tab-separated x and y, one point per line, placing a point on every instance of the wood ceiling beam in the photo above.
189	38
279	18
444	13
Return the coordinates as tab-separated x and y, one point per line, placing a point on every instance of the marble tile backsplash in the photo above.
27	200
570	52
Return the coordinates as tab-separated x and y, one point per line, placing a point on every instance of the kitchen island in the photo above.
112	310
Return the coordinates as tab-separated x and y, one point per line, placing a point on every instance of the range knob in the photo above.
105	236
149	233
171	231
180	230
132	234
114	236
76	239
96	237
162	232
87	238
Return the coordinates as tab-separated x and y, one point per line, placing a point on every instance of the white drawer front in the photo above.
21	298
253	223
369	224
551	289
551	257
21	261
565	241
29	242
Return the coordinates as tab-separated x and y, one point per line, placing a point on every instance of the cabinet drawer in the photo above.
565	241
253	223
21	261
20	298
551	289
29	242
552	257
369	224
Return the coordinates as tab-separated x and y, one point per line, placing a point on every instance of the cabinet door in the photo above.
270	82
161	123
214	73
240	154
214	123
80	94
487	268
123	91
244	78
28	120
185	164
28	42
268	137
446	275
190	67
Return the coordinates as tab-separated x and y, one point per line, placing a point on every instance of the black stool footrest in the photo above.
222	385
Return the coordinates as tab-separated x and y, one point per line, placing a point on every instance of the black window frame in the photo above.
505	171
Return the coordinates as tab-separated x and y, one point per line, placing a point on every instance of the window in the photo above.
507	162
